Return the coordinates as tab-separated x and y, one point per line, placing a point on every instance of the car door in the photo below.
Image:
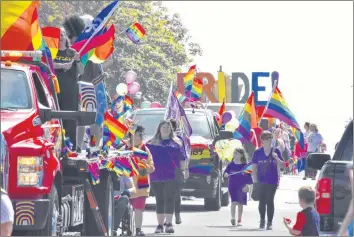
52	128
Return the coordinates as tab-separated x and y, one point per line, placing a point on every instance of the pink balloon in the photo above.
130	77
133	88
156	105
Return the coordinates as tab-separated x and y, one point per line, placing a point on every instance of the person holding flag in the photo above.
239	183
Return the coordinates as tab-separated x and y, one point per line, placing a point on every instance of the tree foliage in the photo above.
165	49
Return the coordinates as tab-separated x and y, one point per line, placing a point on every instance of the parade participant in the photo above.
74	25
314	140
308	220
67	67
307	130
238	184
165	180
300	154
121	196
178	198
265	163
138	199
7	210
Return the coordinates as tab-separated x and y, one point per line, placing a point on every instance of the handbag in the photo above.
256	190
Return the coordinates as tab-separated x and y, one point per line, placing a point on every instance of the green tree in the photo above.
166	47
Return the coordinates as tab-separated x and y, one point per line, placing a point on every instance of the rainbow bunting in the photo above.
197	89
278	108
188	81
140	153
114	126
135	33
248	120
94	172
51	36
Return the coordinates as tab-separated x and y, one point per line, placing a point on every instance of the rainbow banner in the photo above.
247	120
201	169
51	35
135	33
197	89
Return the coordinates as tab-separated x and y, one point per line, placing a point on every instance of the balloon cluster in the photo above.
131	86
230	121
147	104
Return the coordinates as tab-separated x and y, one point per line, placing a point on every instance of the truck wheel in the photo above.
50	228
225	200
214	204
104	197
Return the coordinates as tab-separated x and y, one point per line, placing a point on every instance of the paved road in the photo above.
197	221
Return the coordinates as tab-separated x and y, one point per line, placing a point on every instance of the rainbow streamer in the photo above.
143	182
135	33
197	89
188	81
201	169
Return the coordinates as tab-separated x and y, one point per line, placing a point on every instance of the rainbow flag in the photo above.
38	42
278	108
128	103
188	81
102	52
135	33
114	126
299	136
51	36
16	24
181	98
248	169
247	120
197	89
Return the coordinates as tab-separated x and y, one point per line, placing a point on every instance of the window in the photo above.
15	91
348	149
41	95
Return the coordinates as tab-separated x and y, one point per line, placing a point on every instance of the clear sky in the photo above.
310	44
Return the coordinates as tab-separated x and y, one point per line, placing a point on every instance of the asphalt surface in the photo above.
198	222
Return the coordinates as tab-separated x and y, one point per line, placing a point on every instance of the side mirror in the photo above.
45	113
317	160
223	135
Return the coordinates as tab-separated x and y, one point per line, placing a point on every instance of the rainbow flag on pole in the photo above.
247	120
135	33
197	89
188	81
114	126
51	35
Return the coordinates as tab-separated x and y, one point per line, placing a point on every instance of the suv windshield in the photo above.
15	93
150	121
236	108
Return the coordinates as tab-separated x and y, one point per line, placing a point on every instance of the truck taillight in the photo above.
324	196
29	171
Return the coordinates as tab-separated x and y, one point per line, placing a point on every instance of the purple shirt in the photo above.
167	157
269	176
239	180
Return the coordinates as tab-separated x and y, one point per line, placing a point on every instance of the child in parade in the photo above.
141	181
238	183
308	220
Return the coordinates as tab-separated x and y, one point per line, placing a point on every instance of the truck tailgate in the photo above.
342	191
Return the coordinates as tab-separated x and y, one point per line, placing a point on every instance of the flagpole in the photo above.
169	99
270	97
103	23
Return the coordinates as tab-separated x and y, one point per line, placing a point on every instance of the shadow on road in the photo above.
233	228
184	208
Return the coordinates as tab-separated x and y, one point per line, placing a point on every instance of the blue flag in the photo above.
97	26
174	110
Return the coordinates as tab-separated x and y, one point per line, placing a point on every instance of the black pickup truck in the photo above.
333	188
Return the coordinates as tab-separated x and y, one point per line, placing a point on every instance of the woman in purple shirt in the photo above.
169	159
265	163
